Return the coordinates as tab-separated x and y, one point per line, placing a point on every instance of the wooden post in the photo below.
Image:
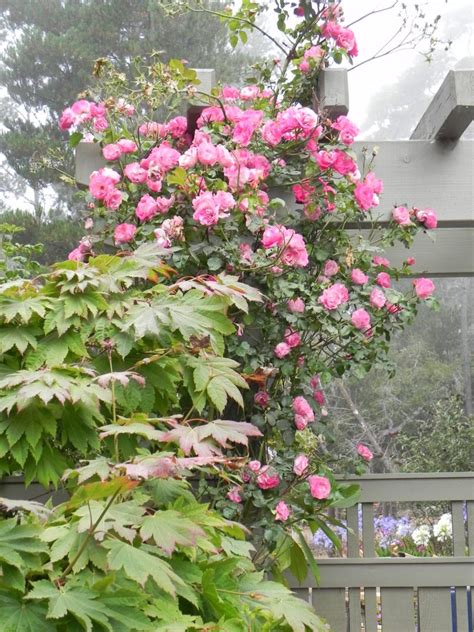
207	78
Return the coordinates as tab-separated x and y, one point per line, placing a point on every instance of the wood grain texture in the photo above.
332	605
398	610
434	610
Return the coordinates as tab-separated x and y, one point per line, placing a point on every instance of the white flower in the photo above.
443	529
421	535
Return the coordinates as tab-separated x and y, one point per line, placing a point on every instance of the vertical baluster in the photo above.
368	544
459	549
353	550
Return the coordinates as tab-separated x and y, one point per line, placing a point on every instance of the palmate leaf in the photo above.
281	602
170	529
120	517
225	285
20	616
19	540
65	383
77	601
21	308
19	337
139	565
204	440
217	378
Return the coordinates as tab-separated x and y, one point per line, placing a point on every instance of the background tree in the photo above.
49	50
424	409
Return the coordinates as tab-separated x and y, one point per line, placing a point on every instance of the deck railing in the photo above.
403	594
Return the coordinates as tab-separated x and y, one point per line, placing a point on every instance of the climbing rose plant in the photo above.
262	184
213	363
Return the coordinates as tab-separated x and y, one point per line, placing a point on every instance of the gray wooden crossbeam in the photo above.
451	109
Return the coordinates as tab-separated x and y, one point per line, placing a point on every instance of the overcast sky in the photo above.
374	31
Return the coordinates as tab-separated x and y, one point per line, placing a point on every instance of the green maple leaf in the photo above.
21	616
139	565
79	602
217	378
19	337
23	309
18	542
170	529
120	517
281	603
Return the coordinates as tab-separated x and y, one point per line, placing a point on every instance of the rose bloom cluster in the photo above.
267	478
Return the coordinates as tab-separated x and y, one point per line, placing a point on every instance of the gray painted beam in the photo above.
414	487
451	109
396	572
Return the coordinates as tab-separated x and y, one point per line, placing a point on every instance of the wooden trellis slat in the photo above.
331	605
397	610
434	610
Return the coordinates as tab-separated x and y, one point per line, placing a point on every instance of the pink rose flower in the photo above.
300	464
364	195
282	511
300	422
261	398
383	279
364	452
334	296
267	479
101	182
294	252
127	146
163	204
361	319
304	66
411	261
76	255
292	338
358	277
124	233
146	208
207	154
423	287
319	398
113	199
374	183
326	159
254	466
281	350
302	408
347	130
101	124
234	494
177	126
319	486
427	217
296	305
377	298
330	268
207	210
401	216
272	236
112	151
135	173
381	261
